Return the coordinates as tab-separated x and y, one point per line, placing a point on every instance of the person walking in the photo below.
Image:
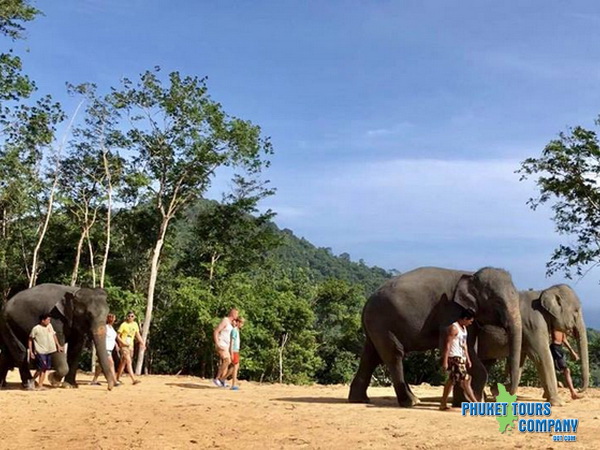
558	339
128	333
235	352
222	339
42	344
455	358
111	341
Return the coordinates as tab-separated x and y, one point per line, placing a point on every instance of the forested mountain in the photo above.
323	264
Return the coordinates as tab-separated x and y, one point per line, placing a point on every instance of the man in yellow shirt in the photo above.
128	332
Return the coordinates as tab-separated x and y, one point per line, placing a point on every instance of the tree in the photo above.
338	306
567	175
180	137
13	84
91	173
228	237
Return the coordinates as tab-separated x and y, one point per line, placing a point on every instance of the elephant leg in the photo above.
488	364
405	397
73	354
542	358
369	360
61	368
393	359
5	365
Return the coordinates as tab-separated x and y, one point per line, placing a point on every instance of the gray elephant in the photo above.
410	312
556	308
75	313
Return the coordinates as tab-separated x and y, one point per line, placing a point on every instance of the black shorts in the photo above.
558	356
43	362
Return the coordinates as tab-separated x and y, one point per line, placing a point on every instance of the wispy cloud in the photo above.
536	66
391	131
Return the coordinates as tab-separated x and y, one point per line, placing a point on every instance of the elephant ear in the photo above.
65	307
463	295
552	302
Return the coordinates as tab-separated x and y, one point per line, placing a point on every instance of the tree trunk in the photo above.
92	264
108	217
284	340
75	273
151	287
34	262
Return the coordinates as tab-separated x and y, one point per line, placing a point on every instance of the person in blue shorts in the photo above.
42	344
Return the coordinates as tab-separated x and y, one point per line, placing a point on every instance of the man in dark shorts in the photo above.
558	339
46	343
455	358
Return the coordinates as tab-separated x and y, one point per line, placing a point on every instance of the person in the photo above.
235	352
42	344
128	332
111	341
222	339
455	358
558	339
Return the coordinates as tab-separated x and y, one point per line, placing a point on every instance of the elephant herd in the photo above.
408	313
411	312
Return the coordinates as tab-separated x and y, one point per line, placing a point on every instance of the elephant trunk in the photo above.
515	337
99	337
581	334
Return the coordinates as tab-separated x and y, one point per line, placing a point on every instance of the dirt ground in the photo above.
187	412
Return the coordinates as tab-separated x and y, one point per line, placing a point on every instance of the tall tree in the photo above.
181	137
567	175
92	172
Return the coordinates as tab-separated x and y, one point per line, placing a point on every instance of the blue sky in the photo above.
397	125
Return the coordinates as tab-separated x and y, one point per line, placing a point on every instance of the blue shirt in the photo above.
235	340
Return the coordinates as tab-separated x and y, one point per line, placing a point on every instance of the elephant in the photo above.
411	312
555	308
75	313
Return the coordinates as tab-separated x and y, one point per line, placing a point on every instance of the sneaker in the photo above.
118	383
223	384
95	383
137	381
217	382
235	388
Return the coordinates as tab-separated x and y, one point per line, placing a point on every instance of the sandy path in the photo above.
187	412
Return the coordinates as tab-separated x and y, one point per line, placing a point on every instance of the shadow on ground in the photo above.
190	386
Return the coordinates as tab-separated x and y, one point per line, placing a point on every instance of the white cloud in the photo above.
420	198
391	131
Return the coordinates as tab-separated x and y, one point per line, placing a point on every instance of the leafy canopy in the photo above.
567	175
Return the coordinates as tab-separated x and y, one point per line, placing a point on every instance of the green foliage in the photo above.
320	264
12	14
567	177
424	367
338	306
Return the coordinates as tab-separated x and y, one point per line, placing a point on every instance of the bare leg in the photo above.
466	385
42	378
225	361
130	370
236	367
447	388
569	381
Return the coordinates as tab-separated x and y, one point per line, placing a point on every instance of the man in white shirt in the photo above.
42	343
455	358
222	339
